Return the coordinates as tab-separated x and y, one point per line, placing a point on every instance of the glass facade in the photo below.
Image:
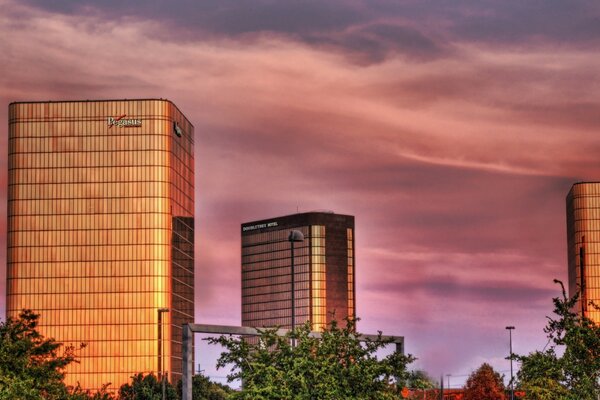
323	270
266	279
350	246
101	231
583	236
318	277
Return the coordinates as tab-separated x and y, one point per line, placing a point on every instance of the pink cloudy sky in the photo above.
452	130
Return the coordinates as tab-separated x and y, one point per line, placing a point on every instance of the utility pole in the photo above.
582	297
512	383
161	372
295	236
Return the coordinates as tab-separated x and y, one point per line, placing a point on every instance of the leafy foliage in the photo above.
421	386
540	375
336	366
204	389
484	384
418	379
146	387
77	393
574	375
31	367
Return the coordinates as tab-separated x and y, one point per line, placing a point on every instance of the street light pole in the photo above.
293	283
295	236
582	288
512	383
161	374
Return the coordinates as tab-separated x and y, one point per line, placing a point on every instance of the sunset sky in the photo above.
451	130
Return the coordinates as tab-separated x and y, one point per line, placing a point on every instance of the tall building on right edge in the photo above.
323	270
583	238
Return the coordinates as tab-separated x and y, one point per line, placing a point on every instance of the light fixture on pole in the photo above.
294	237
161	374
512	384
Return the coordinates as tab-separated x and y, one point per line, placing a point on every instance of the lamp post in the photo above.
582	288
160	351
512	384
294	237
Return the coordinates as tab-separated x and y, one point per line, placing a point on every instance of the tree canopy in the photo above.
31	366
204	389
484	384
146	387
574	375
418	379
336	366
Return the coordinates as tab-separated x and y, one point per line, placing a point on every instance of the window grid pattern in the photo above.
583	229
350	246
318	278
266	279
100	231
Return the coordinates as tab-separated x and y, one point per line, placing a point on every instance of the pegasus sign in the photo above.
123	122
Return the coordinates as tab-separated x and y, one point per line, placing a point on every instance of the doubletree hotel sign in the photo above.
123	122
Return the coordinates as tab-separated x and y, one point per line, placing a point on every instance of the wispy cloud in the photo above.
452	144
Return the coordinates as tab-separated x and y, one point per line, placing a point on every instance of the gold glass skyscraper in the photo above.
583	237
101	231
323	270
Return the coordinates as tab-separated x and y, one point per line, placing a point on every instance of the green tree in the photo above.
575	374
421	385
484	384
31	366
146	387
77	393
418	379
540	376
204	389
335	366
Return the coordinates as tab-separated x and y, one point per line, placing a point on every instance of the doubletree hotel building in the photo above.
101	231
323	270
583	239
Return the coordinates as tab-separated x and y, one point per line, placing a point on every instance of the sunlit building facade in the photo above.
101	231
324	270
583	236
